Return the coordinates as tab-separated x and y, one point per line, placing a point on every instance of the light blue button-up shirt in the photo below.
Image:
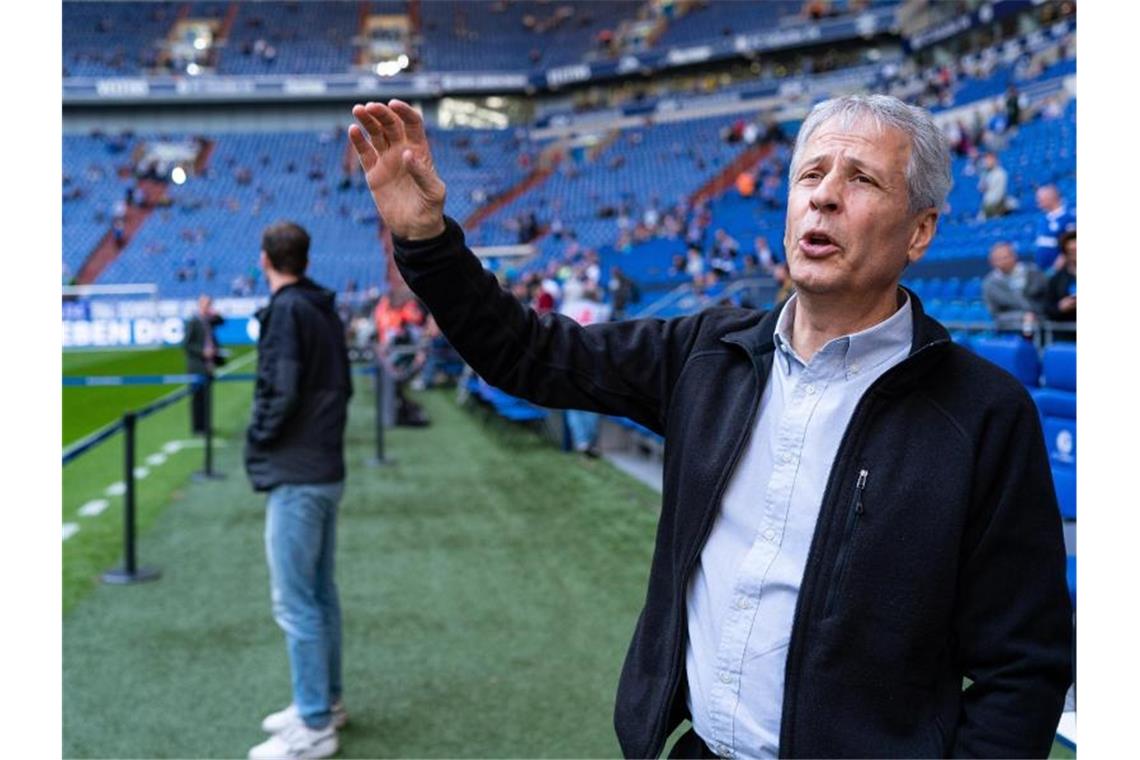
742	596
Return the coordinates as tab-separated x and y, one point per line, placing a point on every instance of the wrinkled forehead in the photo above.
861	135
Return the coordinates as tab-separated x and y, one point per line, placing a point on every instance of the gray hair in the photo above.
928	177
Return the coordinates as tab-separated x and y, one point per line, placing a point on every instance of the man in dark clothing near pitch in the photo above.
295	453
857	513
203	356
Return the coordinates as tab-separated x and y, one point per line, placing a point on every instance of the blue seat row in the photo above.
504	404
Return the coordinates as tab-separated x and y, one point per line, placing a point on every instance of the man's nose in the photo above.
826	196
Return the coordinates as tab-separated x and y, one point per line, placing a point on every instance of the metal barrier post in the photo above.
207	472
381	387
129	572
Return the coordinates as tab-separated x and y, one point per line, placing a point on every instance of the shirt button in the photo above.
853	368
786	457
810	389
725	678
769	534
742	603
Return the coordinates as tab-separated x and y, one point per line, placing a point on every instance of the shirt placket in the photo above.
802	389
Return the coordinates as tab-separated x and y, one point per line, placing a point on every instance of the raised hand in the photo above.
394	153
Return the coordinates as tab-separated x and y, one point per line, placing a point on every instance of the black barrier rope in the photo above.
130	572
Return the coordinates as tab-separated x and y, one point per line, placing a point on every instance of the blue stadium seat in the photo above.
972	289
1061	440
1015	355
1057	402
1059	364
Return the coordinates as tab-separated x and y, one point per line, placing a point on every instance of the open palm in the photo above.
393	150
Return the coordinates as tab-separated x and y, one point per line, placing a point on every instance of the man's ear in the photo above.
923	235
263	262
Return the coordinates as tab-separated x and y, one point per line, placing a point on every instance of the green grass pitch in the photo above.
489	583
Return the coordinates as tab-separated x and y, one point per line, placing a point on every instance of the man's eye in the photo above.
811	175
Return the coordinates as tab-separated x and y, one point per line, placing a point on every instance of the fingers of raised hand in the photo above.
372	126
413	123
391	124
364	149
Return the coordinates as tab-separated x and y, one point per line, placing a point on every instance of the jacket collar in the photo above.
927	343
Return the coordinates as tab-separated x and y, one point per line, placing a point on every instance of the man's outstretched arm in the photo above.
623	368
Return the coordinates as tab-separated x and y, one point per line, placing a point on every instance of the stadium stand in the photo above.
455	33
291	38
114	39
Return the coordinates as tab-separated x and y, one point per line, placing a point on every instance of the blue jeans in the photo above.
300	544
583	428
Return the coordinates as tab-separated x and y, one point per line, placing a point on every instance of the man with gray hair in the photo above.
857	514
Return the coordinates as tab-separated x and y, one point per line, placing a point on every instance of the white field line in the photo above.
96	507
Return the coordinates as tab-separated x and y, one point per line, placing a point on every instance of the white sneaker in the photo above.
279	721
298	742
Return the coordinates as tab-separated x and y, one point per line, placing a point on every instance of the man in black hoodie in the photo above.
295	452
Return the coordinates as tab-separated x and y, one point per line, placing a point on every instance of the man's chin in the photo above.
816	286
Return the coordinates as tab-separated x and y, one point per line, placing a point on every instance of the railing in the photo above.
130	572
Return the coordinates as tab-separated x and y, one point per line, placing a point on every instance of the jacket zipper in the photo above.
678	653
799	622
853	515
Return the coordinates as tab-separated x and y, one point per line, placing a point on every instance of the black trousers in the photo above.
691	746
198	410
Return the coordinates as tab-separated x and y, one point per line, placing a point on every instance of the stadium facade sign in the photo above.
150	333
116	323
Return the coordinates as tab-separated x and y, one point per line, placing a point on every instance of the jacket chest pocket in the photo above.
855	511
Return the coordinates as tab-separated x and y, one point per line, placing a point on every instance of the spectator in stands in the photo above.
755	407
203	355
745	184
780	275
1061	293
678	266
119	232
1054	221
694	262
434	354
992	184
1013	290
623	292
763	253
295	453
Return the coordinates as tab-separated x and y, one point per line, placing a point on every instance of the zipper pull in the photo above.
859	486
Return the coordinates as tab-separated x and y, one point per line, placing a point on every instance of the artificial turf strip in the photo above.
489	582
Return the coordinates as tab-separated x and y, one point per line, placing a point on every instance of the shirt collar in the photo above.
1056	213
861	351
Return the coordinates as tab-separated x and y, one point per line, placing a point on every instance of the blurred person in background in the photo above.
1014	290
1061	293
1055	220
294	453
203	355
993	184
